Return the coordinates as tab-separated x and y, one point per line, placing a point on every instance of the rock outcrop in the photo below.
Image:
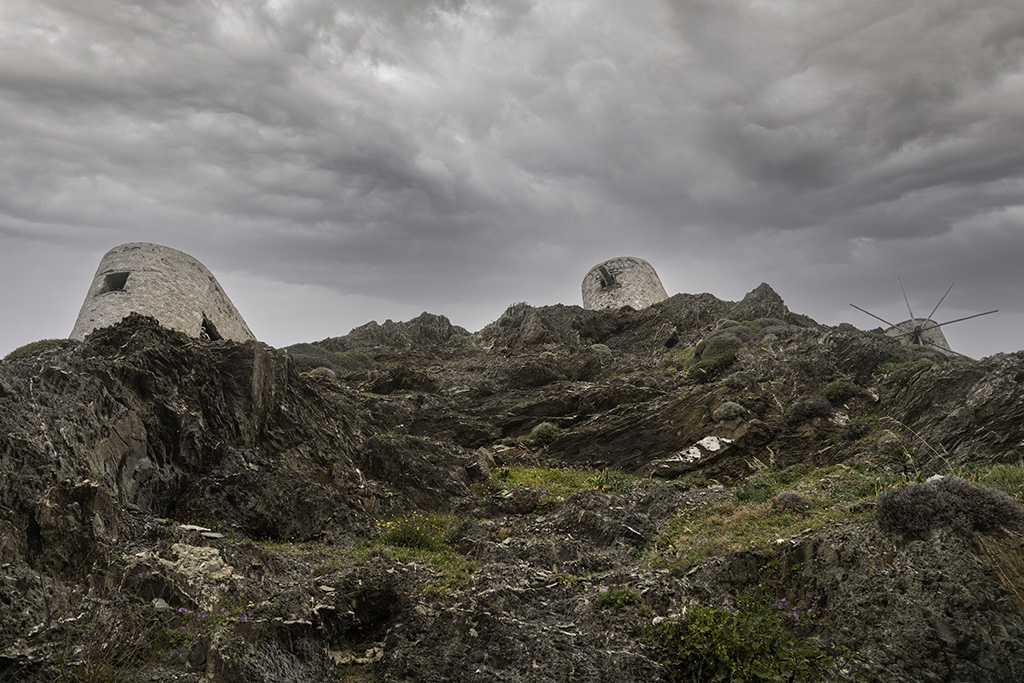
383	505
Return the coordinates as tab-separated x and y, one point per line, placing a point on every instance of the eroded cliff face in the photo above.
216	508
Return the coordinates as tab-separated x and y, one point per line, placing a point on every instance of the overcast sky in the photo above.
340	161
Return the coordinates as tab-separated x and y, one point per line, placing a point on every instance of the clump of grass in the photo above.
892	365
612	481
1008	478
434	531
430	539
759	487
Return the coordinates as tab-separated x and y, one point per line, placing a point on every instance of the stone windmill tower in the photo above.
921	331
164	283
622	281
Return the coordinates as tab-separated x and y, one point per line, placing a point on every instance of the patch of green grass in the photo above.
679	360
757	642
428	539
750	521
558	483
554	481
612	481
1008	478
433	531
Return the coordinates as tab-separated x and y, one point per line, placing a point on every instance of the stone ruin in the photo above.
622	281
923	331
165	284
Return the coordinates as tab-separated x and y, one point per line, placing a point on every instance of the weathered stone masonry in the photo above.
622	281
164	283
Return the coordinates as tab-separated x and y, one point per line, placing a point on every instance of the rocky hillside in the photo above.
701	490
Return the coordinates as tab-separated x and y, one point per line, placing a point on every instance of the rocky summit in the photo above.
699	490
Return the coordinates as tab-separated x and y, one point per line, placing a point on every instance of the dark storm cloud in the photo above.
387	153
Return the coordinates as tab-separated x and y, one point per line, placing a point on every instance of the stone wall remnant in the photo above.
165	284
622	281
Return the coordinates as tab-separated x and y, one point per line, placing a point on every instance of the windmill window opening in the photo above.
114	282
208	331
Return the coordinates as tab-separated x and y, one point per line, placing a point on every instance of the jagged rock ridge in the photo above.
276	467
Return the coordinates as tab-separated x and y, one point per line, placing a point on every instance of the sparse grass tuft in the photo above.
556	484
1008	478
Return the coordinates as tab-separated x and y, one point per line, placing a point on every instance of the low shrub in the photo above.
715	354
543	434
307	357
855	430
838	393
788	501
808	407
950	502
729	410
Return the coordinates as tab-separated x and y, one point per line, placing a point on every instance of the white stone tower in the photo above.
164	283
622	281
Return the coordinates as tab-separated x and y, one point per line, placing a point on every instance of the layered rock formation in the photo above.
229	510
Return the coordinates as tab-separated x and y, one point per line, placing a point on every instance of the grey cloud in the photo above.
398	149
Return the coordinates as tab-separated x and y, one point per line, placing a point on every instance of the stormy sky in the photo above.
335	162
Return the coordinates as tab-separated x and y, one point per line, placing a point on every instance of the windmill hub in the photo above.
920	331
